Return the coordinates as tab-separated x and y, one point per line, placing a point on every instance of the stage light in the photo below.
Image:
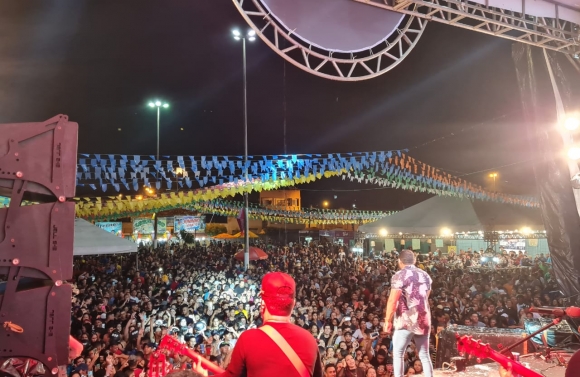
526	230
251	33
157	103
383	232
446	232
236	33
574	153
571	123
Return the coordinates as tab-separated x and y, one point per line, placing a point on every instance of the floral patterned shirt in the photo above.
412	312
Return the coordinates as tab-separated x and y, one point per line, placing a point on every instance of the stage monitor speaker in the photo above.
447	341
556	335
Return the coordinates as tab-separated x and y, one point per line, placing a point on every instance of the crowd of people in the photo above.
122	307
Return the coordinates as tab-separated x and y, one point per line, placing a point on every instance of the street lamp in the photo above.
325	204
494	176
158	104
251	36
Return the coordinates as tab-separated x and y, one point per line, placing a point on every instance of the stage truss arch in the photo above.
551	33
329	64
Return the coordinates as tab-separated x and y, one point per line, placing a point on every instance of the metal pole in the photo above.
158	132
155	221
246	220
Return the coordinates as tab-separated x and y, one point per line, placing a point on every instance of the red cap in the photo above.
278	285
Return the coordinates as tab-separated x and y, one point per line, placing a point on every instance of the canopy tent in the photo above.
432	215
241	235
91	240
255	254
222	236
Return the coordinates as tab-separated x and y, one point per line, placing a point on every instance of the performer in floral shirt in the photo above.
408	312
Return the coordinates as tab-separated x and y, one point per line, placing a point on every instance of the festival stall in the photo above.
453	224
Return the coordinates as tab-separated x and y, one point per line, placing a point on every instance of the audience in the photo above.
202	297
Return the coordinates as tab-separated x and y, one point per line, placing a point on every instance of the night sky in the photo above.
100	62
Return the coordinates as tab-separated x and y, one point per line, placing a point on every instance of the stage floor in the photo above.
492	369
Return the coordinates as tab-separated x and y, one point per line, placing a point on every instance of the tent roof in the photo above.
431	215
92	240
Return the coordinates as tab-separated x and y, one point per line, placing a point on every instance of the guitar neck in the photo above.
478	349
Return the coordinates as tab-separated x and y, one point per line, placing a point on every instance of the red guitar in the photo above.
466	344
174	346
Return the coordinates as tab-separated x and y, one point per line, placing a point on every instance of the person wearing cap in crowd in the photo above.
408	313
223	356
259	352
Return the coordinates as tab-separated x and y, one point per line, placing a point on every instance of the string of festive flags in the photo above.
115	207
387	168
116	172
303	216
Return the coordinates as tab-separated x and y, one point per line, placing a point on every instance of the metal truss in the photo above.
550	33
330	64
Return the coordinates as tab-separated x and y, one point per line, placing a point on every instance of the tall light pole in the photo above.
157	104
251	36
494	176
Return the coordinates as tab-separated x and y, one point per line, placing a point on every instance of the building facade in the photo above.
286	200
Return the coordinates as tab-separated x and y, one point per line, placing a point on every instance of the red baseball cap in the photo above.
279	285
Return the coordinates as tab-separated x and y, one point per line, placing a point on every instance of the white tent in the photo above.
459	215
92	240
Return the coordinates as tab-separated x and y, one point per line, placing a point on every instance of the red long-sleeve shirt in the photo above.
256	354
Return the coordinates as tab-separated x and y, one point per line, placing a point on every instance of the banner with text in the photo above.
189	224
145	226
115	227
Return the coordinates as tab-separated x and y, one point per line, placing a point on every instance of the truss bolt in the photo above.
19	174
54	271
58	128
49	358
16	154
57	187
53	294
54	371
15	261
56	210
58	283
61	199
12	240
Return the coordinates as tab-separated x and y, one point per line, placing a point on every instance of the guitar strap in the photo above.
286	349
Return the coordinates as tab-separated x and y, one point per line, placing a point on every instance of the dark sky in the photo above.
100	62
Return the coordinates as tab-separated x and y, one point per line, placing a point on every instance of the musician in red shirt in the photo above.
278	348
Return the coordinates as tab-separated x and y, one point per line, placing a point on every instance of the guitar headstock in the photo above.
170	344
468	345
